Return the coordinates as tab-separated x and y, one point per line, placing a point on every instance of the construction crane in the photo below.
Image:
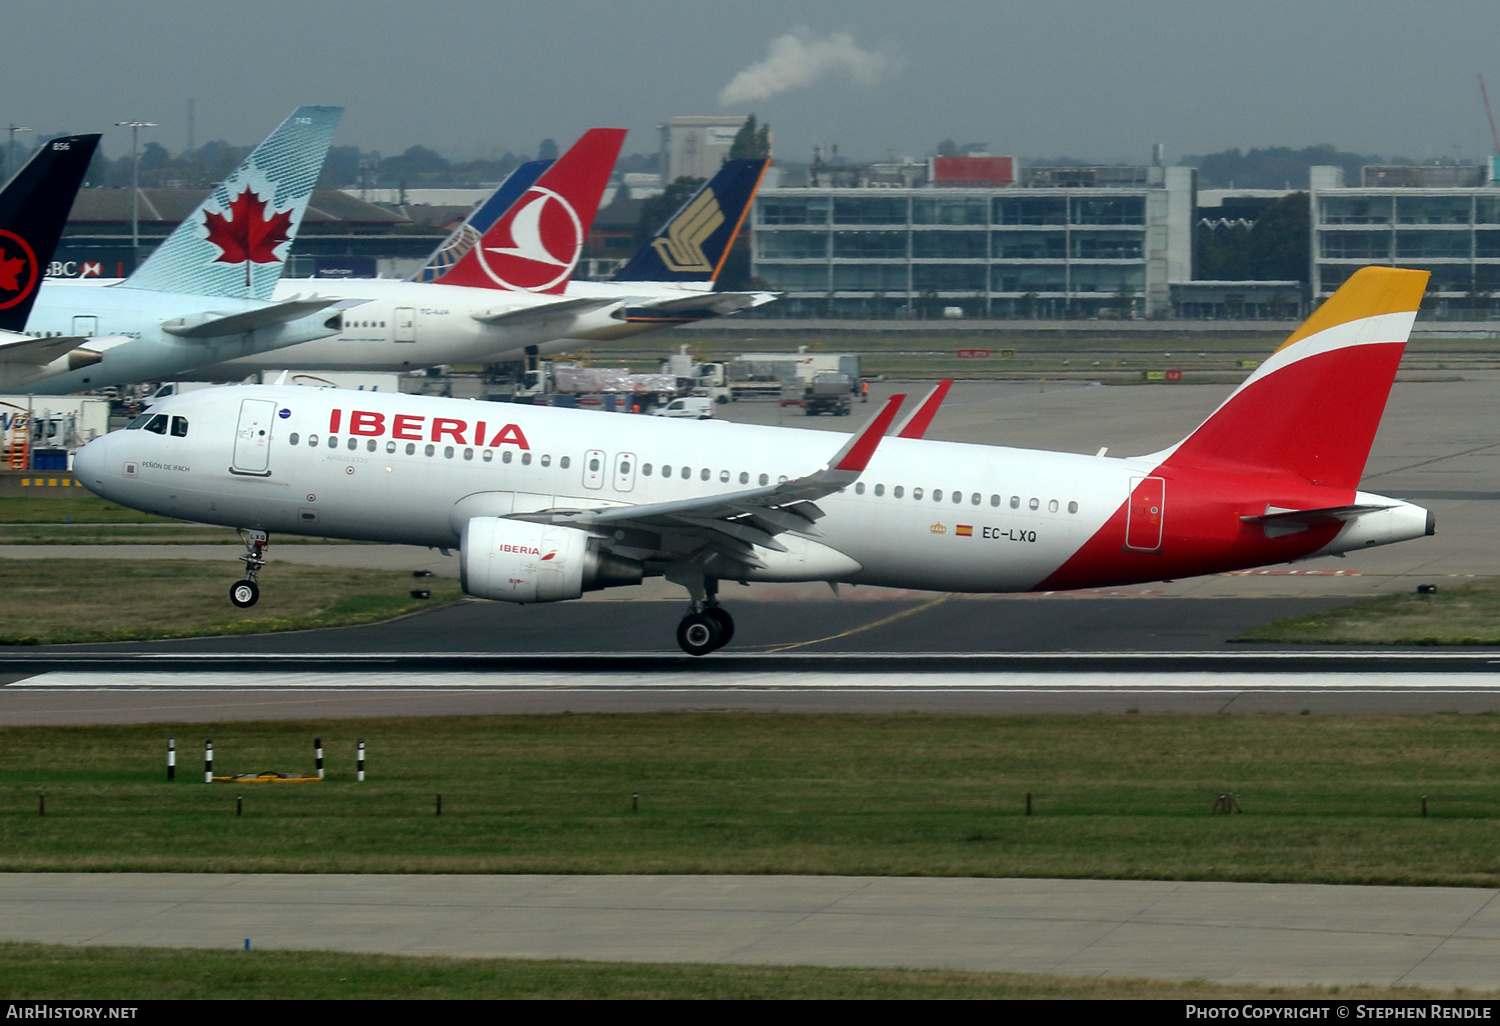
1494	136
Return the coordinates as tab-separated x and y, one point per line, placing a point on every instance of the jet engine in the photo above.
517	561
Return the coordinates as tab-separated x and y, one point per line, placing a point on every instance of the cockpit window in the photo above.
157	425
138	423
179	427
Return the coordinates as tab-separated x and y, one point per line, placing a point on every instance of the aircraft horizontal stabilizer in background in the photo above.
547	503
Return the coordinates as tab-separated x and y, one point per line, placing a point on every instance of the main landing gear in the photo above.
246	593
707	626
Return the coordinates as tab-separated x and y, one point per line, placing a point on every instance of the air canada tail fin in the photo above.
481	220
236	242
1312	408
34	208
693	243
535	244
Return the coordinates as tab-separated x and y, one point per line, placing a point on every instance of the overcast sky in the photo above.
1098	80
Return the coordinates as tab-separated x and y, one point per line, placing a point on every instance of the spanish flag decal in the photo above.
965	530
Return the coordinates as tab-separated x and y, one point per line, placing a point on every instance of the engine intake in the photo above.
517	561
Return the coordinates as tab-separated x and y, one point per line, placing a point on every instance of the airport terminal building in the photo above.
1061	242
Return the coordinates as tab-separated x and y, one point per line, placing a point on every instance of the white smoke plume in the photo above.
799	59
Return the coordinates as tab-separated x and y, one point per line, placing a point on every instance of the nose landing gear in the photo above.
246	593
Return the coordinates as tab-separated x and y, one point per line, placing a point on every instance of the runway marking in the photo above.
857	630
1214	683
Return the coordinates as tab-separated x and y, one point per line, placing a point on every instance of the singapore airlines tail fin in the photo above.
1312	408
695	241
236	242
481	220
534	245
34	208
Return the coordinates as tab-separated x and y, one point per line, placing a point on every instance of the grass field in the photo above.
50	602
1461	614
35	971
1324	799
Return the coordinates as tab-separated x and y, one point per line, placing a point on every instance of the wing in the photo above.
732	524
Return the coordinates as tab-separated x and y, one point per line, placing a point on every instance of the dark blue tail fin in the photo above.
34	207
481	220
693	243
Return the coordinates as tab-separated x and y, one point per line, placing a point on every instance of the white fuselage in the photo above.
413	470
140	350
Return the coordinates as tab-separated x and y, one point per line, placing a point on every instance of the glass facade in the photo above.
1011	252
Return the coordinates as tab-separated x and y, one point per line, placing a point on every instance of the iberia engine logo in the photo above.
539	243
19	270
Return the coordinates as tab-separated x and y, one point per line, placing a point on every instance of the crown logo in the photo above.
938	529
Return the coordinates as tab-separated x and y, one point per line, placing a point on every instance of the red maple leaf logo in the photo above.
10	274
247	233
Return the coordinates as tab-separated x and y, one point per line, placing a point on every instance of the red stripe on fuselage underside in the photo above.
1201	530
1315	418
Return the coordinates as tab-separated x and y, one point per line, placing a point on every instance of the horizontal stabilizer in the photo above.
28	349
542	312
1276	521
716	303
212	325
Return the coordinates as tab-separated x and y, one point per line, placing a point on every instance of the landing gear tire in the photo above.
725	622
244	594
699	634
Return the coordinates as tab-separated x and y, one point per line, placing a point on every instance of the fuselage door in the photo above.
85	325
252	440
406	324
1144	515
624	479
593	468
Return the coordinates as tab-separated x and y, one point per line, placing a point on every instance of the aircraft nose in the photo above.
89	463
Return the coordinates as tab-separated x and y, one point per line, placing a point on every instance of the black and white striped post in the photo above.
171	758
318	755
359	765
208	762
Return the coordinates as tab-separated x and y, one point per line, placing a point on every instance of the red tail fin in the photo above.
1313	407
535	245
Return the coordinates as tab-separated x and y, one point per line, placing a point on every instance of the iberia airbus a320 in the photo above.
545	504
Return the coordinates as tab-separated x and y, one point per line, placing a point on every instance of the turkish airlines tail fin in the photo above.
481	220
694	242
534	246
34	208
236	242
1312	408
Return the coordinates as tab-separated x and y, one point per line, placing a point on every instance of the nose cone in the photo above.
89	464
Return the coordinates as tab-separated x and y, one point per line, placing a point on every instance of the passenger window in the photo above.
897	491
764	480
937	495
880	489
525	459
431	449
333	442
959	497
312	440
390	446
411	448
916	493
974	499
1072	507
859	488
565	462
1033	504
666	470
687	472
179	427
624	468
157	425
594	465
995	501
447	452
781	479
1015	502
724	477
546	460
370	445
505	456
353	444
291	439
1052	506
704	474
645	470
744	478
488	456
468	454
